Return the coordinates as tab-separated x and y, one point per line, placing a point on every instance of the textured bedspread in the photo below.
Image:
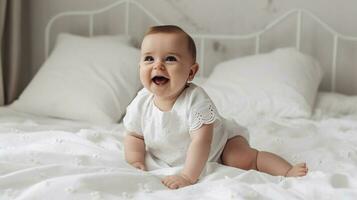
57	159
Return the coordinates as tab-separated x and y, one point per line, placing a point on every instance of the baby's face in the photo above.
165	64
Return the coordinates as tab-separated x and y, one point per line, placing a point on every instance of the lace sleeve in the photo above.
204	114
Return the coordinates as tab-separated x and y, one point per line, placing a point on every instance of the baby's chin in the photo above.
164	91
160	91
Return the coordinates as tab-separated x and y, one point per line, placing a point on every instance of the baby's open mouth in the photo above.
160	80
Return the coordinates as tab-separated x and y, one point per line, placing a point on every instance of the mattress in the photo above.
47	158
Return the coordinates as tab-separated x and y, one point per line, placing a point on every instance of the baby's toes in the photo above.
301	173
300	165
304	171
304	167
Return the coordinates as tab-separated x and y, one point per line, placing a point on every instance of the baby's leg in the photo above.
238	153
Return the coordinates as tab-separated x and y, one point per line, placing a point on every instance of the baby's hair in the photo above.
174	29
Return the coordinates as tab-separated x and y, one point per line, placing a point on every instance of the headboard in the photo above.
221	42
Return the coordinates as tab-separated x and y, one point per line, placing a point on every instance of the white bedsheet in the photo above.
42	158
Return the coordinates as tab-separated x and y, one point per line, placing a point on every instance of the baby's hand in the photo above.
139	165
175	181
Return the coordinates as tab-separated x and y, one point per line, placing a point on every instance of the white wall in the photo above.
227	17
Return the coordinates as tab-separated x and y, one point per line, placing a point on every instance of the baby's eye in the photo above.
171	58
148	58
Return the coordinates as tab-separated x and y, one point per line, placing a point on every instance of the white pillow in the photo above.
86	79
282	83
334	104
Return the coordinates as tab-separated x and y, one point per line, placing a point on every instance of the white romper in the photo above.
167	134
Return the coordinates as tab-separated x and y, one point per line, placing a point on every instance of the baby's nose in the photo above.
159	65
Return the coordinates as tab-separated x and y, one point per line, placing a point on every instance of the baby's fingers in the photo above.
170	182
142	167
166	180
174	186
139	166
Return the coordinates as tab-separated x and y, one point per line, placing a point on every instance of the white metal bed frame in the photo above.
202	37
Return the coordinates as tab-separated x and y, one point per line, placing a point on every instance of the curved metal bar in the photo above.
73	13
202	37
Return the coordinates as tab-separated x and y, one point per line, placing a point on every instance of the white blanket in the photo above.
42	158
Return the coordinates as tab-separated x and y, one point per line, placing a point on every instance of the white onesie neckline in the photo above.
177	101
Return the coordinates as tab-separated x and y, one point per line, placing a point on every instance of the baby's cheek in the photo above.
144	71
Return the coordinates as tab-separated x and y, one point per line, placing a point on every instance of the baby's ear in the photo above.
193	71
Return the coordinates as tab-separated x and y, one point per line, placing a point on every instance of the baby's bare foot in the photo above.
297	170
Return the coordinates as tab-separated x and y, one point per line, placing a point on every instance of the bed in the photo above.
64	141
43	156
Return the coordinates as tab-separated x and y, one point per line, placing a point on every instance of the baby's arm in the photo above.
197	155
134	148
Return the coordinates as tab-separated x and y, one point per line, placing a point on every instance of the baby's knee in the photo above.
245	160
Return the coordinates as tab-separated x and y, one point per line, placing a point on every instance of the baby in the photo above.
177	123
